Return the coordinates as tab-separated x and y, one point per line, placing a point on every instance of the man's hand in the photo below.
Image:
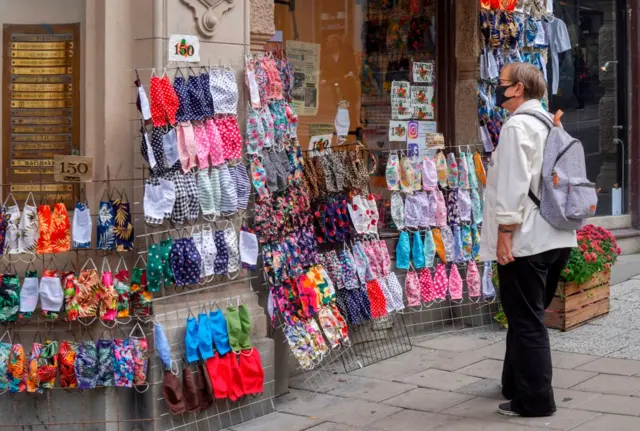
503	250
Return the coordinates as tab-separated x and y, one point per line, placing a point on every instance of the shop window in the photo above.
354	51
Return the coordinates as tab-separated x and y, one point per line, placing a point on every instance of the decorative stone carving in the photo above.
207	13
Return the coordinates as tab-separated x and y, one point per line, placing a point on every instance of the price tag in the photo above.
72	169
184	47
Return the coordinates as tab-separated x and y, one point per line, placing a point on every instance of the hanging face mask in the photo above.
66	364
16	371
488	289
123	363
473	280
417	251
231	240
397	211
51	295
28	237
12	212
412	289
104	352
501	97
403	251
455	284
48	364
161	346
440	282
392	173
81	229
142	101
248	250
29	294
342	122
429	249
427	288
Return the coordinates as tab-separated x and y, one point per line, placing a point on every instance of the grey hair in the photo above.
531	77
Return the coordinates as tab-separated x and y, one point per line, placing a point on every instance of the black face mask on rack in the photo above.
501	98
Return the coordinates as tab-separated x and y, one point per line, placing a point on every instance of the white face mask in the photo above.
231	239
342	122
153	203
152	158
248	249
488	289
209	251
28	226
29	295
11	245
253	89
170	147
168	189
144	103
51	295
81	228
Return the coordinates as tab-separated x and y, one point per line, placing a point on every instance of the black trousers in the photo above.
527	286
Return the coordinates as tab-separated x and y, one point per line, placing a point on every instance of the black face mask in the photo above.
500	96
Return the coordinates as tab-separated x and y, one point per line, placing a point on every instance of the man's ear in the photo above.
519	89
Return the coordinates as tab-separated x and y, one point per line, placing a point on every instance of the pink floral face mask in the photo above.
441	282
412	289
427	288
455	284
473	280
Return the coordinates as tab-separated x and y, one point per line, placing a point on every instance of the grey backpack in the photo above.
567	196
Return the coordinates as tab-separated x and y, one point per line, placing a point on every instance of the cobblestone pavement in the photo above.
451	382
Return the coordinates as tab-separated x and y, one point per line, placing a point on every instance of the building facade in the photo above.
116	41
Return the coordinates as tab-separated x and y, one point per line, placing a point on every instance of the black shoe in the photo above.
505	409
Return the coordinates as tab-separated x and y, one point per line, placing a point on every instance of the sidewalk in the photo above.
452	382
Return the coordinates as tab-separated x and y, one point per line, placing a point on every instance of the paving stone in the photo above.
455	343
617	404
569	399
565	379
570	360
488	369
452	361
304	403
320	381
610	423
417	359
413	420
487	388
629	352
354	412
493	351
368	389
563	419
622	367
479	408
438	379
331	426
277	421
608	384
481	425
428	400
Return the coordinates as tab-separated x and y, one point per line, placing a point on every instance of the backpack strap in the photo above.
534	198
539	115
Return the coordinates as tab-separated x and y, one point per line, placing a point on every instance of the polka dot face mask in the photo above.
412	289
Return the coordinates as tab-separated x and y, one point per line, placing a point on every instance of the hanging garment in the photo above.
105	225
28	238
44	245
123	225
82	226
60	229
12	235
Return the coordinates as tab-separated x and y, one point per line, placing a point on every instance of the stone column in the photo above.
262	23
467	51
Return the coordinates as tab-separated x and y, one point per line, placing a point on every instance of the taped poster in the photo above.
304	58
184	47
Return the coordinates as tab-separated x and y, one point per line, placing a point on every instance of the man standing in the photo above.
529	251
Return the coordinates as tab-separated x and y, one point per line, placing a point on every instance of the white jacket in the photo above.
516	167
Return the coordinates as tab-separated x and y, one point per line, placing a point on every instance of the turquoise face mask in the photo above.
417	253
429	249
403	251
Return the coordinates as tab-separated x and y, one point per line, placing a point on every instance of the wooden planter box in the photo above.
576	304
